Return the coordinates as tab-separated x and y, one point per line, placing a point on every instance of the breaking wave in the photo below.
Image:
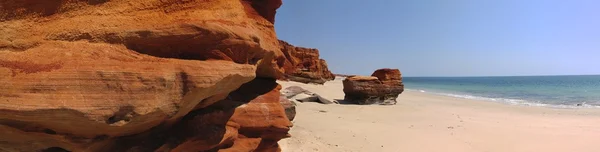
508	100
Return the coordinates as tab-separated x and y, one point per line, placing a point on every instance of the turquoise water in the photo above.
561	91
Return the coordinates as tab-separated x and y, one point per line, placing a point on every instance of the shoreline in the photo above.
500	104
514	102
429	122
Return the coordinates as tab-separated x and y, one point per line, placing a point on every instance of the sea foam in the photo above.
520	102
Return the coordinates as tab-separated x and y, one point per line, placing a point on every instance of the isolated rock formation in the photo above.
382	87
140	75
304	65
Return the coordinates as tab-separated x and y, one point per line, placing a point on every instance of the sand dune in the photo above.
423	122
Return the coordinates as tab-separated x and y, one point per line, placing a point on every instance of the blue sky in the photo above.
448	37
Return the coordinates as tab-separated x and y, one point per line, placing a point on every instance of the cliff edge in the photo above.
304	65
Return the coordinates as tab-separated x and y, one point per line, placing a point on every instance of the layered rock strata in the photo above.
140	75
382	87
304	65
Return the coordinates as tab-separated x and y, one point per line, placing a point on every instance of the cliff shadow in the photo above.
205	129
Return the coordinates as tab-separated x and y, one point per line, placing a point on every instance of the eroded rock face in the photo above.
250	118
304	65
82	75
382	87
195	30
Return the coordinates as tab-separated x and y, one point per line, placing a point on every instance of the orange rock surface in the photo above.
382	87
83	75
304	65
389	76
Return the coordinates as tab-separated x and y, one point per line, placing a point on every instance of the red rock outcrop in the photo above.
249	119
304	65
382	87
84	75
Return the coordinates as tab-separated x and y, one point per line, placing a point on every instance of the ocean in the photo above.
553	91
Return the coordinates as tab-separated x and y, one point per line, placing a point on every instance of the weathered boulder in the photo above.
304	65
84	75
292	91
296	93
383	87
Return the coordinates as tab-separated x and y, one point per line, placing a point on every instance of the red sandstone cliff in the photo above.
304	65
140	75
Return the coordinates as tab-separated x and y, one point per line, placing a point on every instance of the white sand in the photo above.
423	122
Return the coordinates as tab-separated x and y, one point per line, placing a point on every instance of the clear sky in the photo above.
448	37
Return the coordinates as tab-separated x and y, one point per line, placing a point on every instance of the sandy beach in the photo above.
422	122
